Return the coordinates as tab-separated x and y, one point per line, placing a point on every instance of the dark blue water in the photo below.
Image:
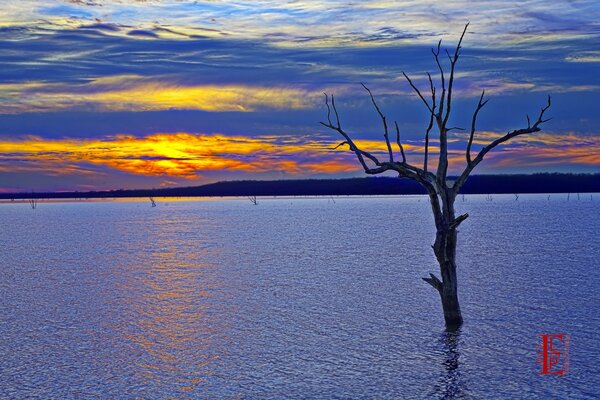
300	298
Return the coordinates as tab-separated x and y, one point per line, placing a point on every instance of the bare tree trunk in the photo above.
448	292
445	252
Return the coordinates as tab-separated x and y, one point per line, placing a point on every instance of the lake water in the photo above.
294	298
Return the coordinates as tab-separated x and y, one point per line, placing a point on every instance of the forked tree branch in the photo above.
517	132
404	169
445	105
435	282
360	154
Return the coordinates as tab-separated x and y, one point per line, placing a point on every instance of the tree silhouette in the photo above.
442	192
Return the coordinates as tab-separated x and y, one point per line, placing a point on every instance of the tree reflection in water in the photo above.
451	384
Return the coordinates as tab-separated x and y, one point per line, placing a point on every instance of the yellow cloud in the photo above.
132	93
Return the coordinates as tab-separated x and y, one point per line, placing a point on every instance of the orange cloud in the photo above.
180	155
186	155
543	149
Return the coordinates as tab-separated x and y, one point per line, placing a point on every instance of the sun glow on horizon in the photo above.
187	155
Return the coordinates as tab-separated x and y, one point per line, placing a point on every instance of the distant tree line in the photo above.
477	184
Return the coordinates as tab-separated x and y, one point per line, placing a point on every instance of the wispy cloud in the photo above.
331	22
584	57
134	93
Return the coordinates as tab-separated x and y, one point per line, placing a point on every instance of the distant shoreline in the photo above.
477	184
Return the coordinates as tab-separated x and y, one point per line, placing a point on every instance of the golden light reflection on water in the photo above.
167	317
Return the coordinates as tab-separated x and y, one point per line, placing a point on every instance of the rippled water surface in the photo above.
294	298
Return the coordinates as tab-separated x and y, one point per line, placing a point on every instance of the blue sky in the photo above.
109	94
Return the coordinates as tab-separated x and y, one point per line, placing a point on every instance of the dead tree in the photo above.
253	200
441	191
33	203
152	202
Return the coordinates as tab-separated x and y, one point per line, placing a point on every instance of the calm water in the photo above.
301	298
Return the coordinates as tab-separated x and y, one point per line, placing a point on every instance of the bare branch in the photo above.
436	54
360	154
430	125
418	92
402	168
434	281
448	54
399	142
442	169
385	127
337	116
339	145
432	89
457	221
480	105
453	61
517	132
328	108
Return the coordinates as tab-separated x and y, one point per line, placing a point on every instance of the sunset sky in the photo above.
109	94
